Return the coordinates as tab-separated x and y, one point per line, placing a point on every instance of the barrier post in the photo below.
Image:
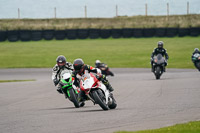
85	11
146	8
55	12
116	11
188	8
167	9
18	13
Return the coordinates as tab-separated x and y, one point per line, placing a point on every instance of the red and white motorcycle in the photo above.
97	92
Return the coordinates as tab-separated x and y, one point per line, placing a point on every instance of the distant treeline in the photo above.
36	35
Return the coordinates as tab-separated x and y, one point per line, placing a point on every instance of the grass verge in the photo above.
3	81
119	53
191	127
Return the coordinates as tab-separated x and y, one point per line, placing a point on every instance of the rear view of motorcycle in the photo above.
158	65
67	88
196	60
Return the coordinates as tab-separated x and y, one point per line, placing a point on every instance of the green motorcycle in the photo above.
67	88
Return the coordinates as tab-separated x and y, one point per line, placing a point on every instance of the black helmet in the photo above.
160	44
61	61
78	65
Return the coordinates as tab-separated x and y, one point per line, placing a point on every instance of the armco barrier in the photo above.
25	35
71	34
127	33
160	32
116	33
82	33
171	32
36	35
13	35
94	33
138	32
105	33
149	32
194	31
48	34
60	34
3	36
183	32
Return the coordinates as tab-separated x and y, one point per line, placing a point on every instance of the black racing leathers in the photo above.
157	51
77	75
198	52
161	51
85	68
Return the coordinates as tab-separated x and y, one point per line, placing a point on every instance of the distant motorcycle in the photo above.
96	91
158	65
67	88
105	69
196	60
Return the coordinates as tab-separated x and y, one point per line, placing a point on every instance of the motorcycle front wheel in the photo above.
100	99
157	72
73	98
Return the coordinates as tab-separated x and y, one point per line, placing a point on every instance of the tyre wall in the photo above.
36	35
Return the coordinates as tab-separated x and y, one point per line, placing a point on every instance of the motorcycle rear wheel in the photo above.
114	103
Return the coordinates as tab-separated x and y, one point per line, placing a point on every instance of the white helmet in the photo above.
98	61
196	50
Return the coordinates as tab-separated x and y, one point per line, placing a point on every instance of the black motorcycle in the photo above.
158	65
196	60
105	69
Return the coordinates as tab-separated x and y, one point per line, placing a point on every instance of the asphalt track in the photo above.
143	103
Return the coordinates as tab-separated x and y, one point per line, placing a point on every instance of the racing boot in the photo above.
151	69
108	86
65	93
59	90
164	69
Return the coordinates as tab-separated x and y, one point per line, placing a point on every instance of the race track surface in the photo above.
143	102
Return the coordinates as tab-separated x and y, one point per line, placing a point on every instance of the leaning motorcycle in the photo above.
67	88
196	60
105	69
97	92
158	65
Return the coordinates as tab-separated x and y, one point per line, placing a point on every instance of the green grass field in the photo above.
118	53
191	127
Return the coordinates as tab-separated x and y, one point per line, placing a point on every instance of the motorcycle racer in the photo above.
80	68
196	51
61	65
159	50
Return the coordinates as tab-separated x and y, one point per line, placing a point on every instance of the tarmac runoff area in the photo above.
143	102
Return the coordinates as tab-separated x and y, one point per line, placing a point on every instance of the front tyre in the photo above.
100	99
157	72
73	98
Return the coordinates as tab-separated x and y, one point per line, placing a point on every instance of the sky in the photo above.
95	8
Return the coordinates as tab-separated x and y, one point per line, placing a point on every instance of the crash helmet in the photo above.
61	61
160	44
97	62
78	65
196	50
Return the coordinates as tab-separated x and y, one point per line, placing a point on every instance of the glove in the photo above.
55	81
